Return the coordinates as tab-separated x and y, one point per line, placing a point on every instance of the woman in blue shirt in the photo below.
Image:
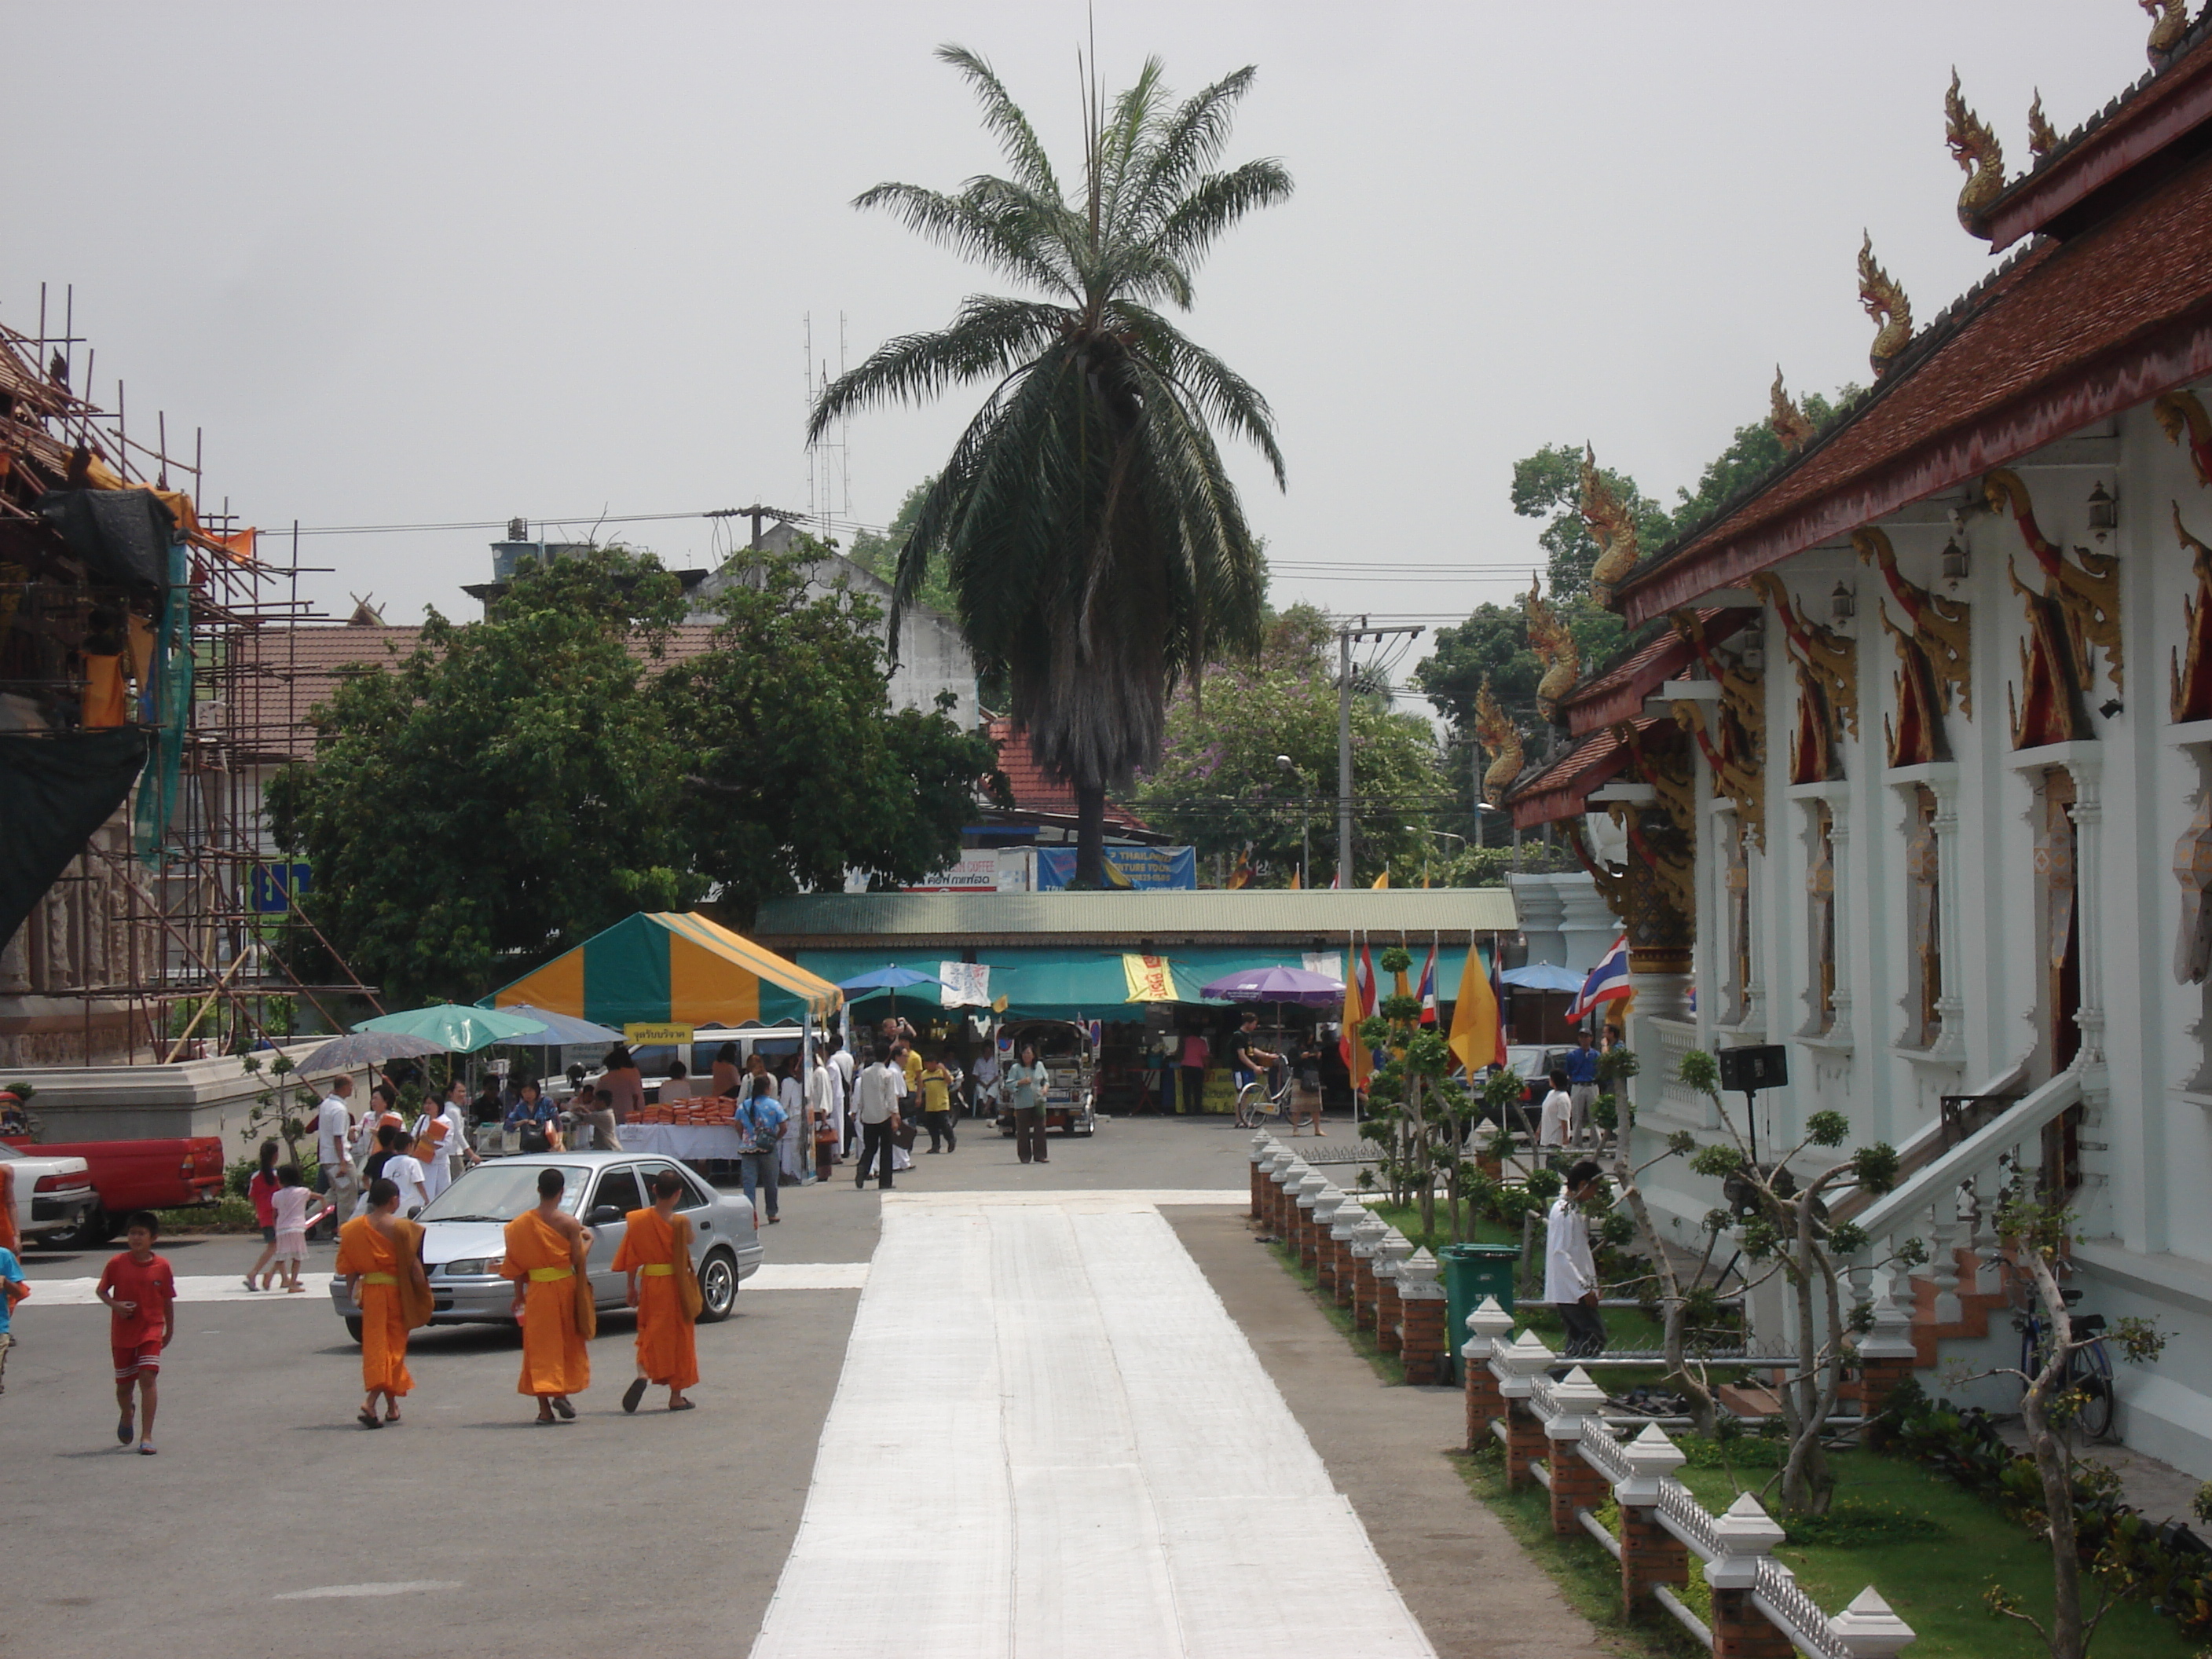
1026	1082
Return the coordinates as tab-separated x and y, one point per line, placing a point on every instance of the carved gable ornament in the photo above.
2087	593
1826	666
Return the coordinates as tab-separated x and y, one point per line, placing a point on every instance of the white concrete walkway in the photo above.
1050	1440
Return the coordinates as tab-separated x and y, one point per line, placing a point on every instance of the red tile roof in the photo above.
1036	790
2068	334
1619	693
1562	789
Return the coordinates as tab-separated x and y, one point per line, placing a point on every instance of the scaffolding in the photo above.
175	931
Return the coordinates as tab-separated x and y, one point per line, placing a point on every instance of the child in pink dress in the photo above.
293	1197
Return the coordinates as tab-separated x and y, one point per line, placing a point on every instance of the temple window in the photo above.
1820	922
1923	898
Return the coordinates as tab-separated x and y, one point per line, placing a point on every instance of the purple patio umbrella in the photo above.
1279	984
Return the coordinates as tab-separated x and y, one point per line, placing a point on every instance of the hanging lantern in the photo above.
1954	561
2104	511
1841	605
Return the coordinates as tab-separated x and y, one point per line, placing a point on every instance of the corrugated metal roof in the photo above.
1162	917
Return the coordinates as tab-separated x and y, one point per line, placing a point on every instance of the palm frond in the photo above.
990	339
1223	395
1188	144
991	221
1216	203
1004	117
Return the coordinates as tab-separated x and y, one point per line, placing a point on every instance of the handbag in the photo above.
906	1134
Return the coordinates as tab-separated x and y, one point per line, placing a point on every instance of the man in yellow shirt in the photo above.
937	1103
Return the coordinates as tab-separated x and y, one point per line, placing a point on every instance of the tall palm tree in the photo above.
1093	542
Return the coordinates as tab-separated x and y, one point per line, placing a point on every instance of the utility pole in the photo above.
1345	638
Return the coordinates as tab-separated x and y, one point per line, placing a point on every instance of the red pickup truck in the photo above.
137	1175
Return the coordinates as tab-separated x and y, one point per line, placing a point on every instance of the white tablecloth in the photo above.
687	1142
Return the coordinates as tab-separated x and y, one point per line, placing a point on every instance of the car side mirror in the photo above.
603	1215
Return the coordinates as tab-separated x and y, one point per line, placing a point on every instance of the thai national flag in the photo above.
1427	993
1607	982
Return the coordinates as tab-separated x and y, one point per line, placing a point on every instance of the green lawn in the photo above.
1406	1218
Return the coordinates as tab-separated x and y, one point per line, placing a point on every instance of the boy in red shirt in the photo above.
141	1294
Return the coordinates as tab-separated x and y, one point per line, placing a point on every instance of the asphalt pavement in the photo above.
271	1521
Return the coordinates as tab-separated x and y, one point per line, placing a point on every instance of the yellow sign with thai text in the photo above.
1151	979
643	1033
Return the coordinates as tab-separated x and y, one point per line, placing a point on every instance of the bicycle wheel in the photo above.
1248	1100
2093	1375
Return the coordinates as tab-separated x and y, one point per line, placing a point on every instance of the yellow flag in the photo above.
1476	1036
1295	882
1383	880
1150	979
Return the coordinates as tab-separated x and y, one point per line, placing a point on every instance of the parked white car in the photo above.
53	1195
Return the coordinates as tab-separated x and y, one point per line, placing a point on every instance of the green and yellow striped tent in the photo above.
659	968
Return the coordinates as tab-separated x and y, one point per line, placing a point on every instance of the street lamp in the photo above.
1305	821
1447	835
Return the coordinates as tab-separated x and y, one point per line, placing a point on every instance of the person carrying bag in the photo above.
761	1125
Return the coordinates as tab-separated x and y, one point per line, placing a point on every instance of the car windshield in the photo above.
502	1191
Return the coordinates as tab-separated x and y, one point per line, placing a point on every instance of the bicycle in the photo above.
2088	1369
1257	1105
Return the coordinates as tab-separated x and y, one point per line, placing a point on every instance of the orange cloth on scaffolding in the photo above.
555	1360
667	1351
106	701
363	1250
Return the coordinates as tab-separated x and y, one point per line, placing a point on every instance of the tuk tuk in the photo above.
1064	1047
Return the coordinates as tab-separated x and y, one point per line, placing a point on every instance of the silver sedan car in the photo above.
464	1240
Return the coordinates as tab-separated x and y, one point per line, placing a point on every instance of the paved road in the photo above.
270	1519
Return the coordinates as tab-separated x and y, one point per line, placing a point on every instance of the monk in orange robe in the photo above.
545	1252
380	1256
663	1288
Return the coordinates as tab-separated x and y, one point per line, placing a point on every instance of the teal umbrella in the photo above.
457	1028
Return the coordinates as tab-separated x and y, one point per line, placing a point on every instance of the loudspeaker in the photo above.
1747	1070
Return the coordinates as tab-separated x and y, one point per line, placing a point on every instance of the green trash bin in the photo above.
1470	1273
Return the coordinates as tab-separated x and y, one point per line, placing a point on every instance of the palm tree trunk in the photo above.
1089	835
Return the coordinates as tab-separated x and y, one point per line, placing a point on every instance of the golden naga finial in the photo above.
1974	146
1501	740
1885	302
1555	647
1786	419
2169	22
2042	136
1611	523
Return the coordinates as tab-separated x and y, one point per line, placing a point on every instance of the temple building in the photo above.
1914	768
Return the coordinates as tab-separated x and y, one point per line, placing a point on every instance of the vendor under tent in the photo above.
658	967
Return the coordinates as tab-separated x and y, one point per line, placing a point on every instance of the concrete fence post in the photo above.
1747	1535
1263	1148
1421	1311
1575	1484
1336	1254
1650	1554
1517	1366
1310	1188
1487	1327
1322	1222
1366	1239
1389	1256
1867	1629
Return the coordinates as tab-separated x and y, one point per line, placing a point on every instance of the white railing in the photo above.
1676	1038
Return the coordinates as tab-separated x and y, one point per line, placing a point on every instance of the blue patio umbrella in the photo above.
1543	976
560	1029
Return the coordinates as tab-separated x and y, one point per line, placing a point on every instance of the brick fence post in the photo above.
1421	1310
1575	1484
1366	1238
1290	1169
1330	1200
1336	1249
1650	1554
1887	1359
1263	1148
1740	1630
1302	1219
1388	1254
1487	1327
1516	1367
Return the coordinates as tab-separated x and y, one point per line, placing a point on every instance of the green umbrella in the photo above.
455	1027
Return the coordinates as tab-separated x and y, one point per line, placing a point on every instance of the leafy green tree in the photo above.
1754	452
878	554
501	793
1219	786
1094	544
793	771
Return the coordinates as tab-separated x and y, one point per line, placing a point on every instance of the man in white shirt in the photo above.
334	1167
823	1099
1557	1112
848	1126
876	1102
1569	1272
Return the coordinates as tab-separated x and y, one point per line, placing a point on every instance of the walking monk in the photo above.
381	1256
663	1288
545	1251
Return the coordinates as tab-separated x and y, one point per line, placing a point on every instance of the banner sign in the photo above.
1327	964
275	885
1143	867
644	1032
1150	979
967	984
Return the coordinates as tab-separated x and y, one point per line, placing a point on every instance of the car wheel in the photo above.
93	1230
717	1287
353	1328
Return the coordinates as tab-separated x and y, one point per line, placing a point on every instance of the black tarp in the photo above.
54	792
123	534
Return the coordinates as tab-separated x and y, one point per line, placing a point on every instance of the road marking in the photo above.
1108	1467
190	1287
407	1587
809	1276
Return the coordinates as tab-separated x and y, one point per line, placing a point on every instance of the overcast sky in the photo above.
428	264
